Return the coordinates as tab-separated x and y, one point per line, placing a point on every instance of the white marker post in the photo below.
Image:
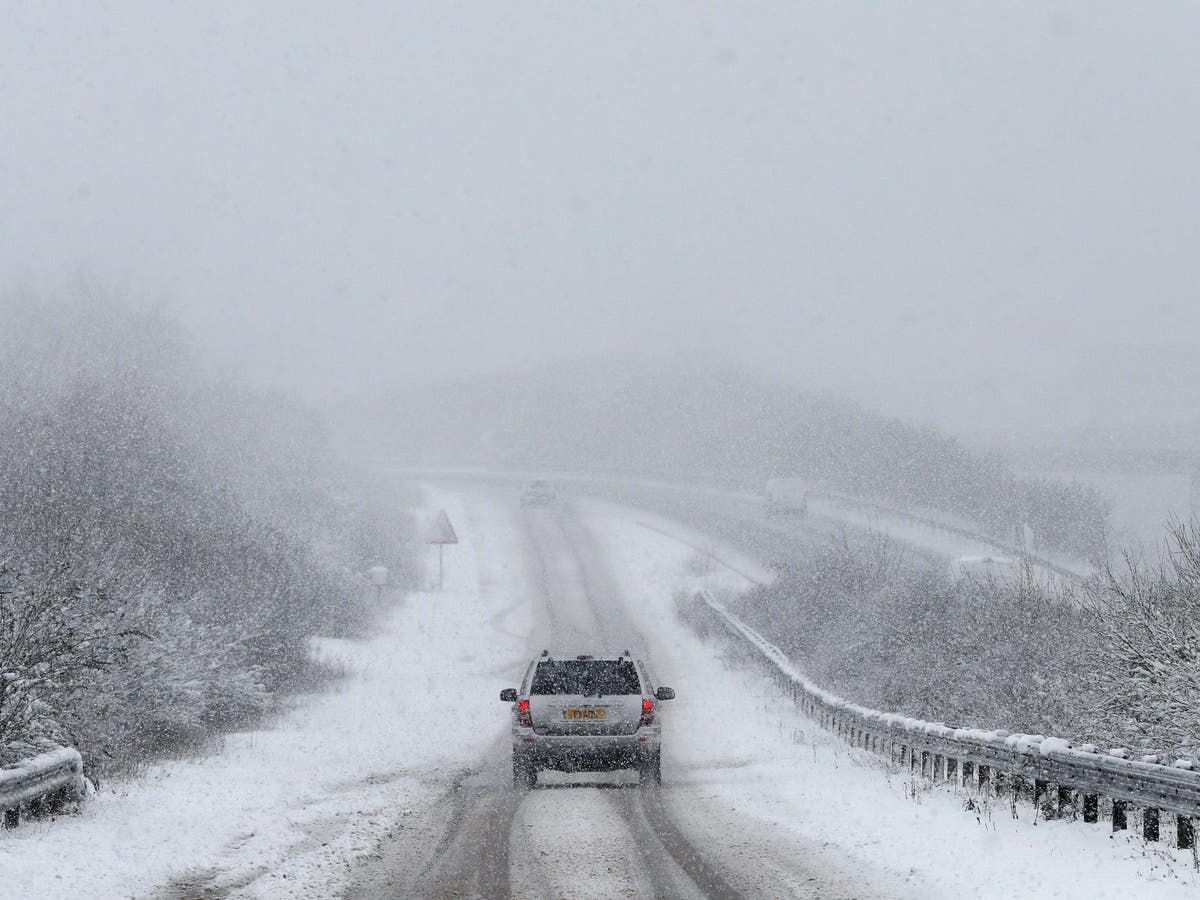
442	533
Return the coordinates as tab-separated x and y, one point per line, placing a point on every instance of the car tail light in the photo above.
523	715
647	712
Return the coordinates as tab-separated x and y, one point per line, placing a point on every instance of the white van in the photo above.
785	496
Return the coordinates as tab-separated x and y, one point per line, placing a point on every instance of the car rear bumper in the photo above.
585	753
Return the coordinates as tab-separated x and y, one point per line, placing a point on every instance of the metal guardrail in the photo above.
950	528
41	782
1069	780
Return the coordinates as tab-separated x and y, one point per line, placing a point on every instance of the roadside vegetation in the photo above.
169	544
1115	661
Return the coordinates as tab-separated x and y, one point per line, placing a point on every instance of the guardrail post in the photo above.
1018	783
1150	823
1120	821
1185	833
1066	800
1091	808
12	817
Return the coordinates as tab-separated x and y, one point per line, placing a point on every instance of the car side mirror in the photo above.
665	694
509	695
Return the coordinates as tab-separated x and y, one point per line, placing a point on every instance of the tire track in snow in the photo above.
667	853
464	857
658	840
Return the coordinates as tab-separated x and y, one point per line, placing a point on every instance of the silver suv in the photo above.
586	714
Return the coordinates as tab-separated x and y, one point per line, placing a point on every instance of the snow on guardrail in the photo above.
1032	765
41	782
949	527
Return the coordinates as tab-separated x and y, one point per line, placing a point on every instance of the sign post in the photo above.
442	533
379	578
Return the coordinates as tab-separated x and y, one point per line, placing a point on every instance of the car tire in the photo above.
650	771
524	773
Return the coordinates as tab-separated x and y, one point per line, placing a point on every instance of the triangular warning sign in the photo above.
441	531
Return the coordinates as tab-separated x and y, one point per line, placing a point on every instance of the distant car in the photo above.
539	493
785	497
586	714
999	571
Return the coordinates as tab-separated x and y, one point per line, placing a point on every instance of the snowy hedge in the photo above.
167	546
1116	662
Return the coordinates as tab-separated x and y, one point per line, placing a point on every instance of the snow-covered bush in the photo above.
167	547
891	632
1145	623
1114	662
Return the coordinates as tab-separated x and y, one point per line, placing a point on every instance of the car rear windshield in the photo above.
588	677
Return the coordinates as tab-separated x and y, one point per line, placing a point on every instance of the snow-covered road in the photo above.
398	785
573	835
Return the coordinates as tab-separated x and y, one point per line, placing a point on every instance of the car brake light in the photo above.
523	715
647	712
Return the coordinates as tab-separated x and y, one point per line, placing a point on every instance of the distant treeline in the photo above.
704	421
167	547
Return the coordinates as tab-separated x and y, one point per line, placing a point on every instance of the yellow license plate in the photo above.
586	713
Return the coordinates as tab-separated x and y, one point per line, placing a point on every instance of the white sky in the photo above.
981	215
